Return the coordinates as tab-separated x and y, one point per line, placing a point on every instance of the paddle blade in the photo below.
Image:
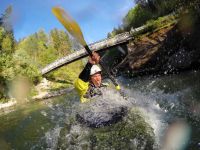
70	25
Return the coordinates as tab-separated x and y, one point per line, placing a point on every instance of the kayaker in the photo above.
89	84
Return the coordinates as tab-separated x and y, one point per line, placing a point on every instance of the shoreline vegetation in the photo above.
22	60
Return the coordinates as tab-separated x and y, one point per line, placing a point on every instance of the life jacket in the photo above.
94	91
87	90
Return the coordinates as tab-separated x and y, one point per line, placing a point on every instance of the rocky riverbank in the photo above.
43	90
168	49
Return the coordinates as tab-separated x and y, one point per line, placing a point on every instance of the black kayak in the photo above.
101	112
102	119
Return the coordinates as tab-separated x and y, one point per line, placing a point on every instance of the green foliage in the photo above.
136	17
7	44
55	38
46	57
153	25
60	42
13	63
2	32
33	44
146	10
5	20
7	67
115	32
163	7
65	76
24	67
44	49
29	55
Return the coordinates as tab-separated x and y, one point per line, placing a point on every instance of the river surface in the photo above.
168	108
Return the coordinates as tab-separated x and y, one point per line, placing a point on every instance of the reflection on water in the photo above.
159	105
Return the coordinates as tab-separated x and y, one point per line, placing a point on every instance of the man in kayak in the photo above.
89	82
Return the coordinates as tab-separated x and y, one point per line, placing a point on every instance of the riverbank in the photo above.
48	89
170	48
44	90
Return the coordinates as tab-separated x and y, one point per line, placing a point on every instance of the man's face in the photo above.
96	79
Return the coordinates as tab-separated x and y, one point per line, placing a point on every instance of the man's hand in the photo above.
94	59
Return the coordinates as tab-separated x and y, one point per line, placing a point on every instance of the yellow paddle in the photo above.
73	28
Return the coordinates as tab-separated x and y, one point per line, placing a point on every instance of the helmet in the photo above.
95	69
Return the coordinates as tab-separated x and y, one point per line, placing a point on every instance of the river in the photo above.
164	111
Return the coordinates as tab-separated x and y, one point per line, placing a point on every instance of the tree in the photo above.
7	36
7	47
136	17
54	34
5	20
148	4
65	46
60	41
7	44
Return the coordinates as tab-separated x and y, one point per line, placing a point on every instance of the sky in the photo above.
95	17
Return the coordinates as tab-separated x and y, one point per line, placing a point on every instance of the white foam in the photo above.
150	110
52	138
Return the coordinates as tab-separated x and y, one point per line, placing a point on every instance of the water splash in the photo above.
68	133
103	110
52	138
152	103
150	111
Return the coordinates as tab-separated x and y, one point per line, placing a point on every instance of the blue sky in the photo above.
96	17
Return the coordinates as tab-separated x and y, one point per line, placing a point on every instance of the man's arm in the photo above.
85	74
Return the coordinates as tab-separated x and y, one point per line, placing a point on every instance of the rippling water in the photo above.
161	108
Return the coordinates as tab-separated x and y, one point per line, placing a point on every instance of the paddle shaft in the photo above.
103	67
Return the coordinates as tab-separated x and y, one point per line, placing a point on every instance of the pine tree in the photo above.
55	38
5	20
65	45
7	42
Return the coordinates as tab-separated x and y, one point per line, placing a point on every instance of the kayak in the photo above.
101	112
100	119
